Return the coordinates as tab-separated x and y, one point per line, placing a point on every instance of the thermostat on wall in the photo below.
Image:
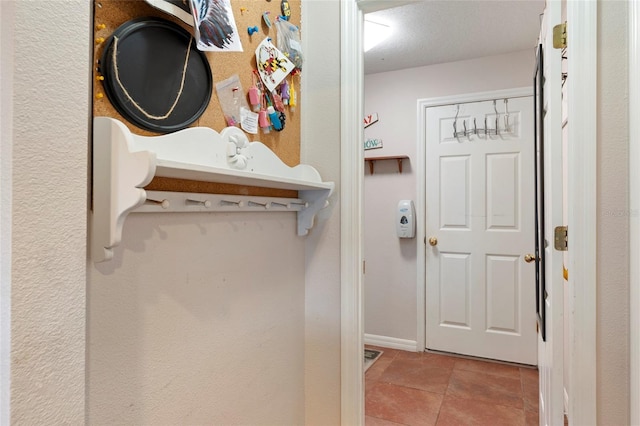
406	219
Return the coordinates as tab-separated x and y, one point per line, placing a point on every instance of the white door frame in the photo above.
351	208
421	235
582	218
634	209
351	204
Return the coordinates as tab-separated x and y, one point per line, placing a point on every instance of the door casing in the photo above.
634	205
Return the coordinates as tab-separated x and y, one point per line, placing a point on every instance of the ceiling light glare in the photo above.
374	34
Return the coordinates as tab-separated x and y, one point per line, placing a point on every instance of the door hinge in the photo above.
561	238
560	36
364	266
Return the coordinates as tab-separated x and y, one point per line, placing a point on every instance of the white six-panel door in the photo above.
480	294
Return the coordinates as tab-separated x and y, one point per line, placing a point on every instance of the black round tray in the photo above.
151	56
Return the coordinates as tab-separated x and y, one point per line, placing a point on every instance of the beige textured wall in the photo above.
612	333
50	127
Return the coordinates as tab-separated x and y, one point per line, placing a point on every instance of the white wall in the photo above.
390	279
612	290
49	123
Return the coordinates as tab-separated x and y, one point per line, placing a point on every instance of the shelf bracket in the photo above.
372	160
119	176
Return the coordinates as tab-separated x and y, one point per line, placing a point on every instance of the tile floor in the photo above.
422	389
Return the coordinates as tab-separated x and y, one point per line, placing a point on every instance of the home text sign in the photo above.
372	144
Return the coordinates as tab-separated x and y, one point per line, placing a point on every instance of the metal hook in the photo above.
506	116
495	108
455	120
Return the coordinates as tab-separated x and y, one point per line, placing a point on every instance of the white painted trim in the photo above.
351	208
368	6
421	232
392	343
634	206
423	104
582	190
551	351
6	183
476	97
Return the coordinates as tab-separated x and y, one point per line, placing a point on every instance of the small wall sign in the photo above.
372	144
370	119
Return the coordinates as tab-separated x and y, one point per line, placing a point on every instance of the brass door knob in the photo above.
433	241
529	258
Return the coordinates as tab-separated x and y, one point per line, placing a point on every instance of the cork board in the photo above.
110	14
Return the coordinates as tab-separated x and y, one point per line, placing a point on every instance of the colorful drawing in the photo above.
273	65
215	26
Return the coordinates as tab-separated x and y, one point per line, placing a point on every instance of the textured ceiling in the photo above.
431	32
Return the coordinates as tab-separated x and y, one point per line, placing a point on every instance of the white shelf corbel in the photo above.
123	163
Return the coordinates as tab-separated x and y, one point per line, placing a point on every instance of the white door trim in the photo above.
351	203
582	152
421	235
351	208
634	209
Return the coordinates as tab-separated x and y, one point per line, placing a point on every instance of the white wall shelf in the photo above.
124	163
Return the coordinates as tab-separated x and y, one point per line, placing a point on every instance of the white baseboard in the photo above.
391	342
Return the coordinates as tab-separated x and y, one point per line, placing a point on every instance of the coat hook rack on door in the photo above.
486	131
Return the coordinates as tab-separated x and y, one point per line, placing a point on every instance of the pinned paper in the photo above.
249	121
215	26
178	8
273	65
